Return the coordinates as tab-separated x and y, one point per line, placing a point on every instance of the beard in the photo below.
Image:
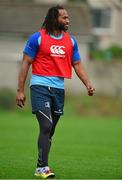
62	27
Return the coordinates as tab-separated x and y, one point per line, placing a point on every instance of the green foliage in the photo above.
112	53
97	55
7	99
116	51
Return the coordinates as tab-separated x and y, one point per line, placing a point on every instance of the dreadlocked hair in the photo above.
51	20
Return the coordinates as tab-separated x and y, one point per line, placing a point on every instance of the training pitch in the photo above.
83	147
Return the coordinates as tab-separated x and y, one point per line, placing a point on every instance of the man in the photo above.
52	52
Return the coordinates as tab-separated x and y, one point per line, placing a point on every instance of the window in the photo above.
101	18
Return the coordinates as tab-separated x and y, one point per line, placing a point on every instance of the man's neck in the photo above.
56	33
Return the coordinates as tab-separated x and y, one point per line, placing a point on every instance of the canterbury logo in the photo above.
57	50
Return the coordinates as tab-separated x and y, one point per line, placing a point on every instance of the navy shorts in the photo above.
47	99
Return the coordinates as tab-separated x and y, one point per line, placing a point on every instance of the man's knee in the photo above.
45	121
47	127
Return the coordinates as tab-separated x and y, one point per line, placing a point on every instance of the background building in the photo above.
18	19
106	16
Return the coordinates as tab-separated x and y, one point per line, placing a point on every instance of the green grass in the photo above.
84	147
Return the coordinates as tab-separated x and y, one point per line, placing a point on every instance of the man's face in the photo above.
63	20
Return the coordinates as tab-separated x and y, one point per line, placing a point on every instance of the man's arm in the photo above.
26	62
81	73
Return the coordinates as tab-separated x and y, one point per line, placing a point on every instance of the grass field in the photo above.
84	147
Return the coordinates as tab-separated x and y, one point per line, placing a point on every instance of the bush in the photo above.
7	99
113	52
116	51
97	55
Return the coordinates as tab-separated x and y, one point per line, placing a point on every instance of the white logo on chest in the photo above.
57	50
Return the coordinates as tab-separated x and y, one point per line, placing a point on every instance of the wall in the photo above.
8	74
106	76
11	49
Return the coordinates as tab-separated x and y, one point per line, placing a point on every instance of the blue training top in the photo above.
31	49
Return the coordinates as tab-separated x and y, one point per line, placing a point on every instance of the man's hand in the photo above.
90	90
20	99
81	73
26	62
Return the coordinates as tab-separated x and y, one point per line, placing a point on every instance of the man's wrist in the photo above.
88	85
19	90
